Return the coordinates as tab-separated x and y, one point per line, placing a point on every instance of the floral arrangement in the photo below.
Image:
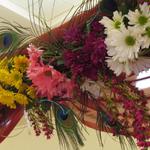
83	76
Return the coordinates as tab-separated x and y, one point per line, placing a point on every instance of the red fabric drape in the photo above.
8	120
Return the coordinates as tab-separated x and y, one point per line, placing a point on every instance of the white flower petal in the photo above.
110	24
134	16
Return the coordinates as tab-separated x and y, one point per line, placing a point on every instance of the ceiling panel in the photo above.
54	10
21	3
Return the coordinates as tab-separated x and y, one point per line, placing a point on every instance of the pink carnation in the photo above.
47	81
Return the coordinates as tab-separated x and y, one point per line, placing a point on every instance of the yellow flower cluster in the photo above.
21	63
13	90
10	98
7	98
16	79
13	78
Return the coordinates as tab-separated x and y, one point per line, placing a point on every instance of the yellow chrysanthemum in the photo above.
23	88
16	78
31	92
7	98
21	63
21	99
5	76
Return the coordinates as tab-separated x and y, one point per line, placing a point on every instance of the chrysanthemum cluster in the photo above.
127	36
88	59
13	90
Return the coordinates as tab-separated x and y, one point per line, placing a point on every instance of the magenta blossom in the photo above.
72	35
88	60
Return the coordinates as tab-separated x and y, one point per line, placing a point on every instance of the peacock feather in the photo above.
67	128
13	37
105	123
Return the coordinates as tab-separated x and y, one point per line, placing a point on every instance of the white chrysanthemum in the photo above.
119	68
124	45
112	24
129	67
140	18
146	38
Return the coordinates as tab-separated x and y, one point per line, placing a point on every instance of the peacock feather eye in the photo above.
65	118
63	114
7	40
67	124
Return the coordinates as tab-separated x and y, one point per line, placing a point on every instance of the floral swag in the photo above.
81	73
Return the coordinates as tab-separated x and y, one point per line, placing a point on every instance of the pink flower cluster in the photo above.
134	114
48	82
136	108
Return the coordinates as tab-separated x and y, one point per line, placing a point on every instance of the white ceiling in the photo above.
54	10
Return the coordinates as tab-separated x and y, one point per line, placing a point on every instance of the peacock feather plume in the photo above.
13	37
67	128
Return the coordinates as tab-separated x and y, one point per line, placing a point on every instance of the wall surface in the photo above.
26	140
